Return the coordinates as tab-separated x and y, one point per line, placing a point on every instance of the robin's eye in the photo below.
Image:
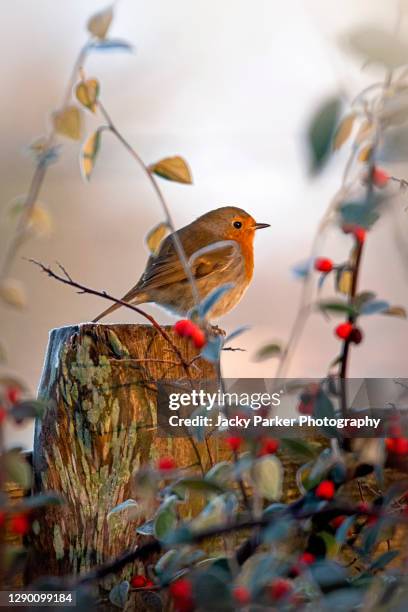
237	224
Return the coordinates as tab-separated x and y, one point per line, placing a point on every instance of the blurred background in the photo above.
231	87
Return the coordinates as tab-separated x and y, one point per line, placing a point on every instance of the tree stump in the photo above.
99	428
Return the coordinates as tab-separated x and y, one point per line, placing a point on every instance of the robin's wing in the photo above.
167	269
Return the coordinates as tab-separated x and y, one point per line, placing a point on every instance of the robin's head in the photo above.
231	223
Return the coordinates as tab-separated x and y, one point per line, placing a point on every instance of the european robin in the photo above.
231	231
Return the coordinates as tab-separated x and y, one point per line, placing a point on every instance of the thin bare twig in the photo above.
168	218
67	280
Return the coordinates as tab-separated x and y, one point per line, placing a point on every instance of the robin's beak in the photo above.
261	225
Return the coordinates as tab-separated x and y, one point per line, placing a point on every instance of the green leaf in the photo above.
383	560
374	307
362	298
146	529
343	131
155	237
211	351
43	499
197	484
110	45
336	307
28	409
215	513
301	448
99	24
361	214
87	93
268	351
342	531
323	408
68	122
17	468
89	153
128	504
211	299
220	473
166	518
173	169
119	594
321	132
328	573
396	311
212	591
267	475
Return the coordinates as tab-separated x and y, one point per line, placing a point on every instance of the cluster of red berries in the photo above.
397	444
187	329
349	331
141	582
182	593
19	523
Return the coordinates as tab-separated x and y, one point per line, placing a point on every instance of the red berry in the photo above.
234	442
356	335
184	327
20	524
3	414
198	337
325	490
380	177
166	463
306	407
13	394
399	446
363	507
241	595
269	447
138	581
181	589
323	264
280	588
344	330
307	558
337	521
395	430
358	232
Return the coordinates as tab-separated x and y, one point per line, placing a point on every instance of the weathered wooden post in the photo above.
98	429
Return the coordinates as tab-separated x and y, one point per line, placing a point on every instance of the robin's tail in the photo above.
106	312
133	296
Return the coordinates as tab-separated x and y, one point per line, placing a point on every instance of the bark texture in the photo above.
99	428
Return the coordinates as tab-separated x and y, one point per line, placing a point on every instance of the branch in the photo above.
169	221
68	280
155	547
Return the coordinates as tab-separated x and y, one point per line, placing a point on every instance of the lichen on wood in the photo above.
99	428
